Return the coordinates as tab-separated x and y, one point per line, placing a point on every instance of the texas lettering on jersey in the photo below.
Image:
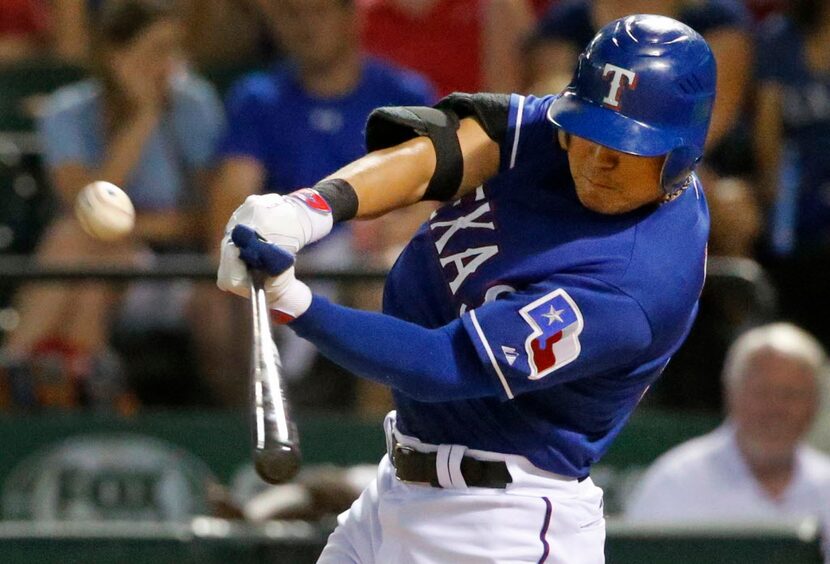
554	321
479	247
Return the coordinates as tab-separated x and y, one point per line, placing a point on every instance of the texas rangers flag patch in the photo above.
556	323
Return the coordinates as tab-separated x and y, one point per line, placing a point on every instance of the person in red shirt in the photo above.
24	27
460	45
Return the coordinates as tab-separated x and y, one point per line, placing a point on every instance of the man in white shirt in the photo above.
755	467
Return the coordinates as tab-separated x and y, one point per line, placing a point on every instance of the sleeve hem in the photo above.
485	352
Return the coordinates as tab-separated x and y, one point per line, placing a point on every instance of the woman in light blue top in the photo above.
141	122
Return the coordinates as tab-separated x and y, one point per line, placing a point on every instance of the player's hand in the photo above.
290	221
290	297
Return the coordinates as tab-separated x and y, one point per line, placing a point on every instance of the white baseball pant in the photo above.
539	517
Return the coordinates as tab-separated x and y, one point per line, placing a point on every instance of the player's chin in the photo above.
602	199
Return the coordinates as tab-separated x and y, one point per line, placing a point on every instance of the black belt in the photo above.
413	466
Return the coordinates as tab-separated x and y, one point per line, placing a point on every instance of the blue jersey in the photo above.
299	138
573	314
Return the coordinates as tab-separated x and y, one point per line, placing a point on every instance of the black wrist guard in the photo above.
340	196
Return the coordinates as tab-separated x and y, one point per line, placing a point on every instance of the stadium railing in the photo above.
208	540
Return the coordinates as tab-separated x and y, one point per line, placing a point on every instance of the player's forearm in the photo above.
396	177
391	178
428	365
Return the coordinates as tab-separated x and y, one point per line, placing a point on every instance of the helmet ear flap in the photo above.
679	164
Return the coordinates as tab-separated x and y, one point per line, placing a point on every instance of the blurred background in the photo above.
124	371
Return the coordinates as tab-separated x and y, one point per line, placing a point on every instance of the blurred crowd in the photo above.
191	106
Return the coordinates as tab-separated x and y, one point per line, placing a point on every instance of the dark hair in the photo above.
121	21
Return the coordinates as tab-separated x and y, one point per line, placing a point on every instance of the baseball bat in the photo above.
274	438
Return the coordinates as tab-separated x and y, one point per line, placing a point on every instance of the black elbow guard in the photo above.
490	110
388	127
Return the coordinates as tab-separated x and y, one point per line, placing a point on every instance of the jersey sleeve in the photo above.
530	138
563	329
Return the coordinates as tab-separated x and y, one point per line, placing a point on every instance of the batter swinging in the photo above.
528	316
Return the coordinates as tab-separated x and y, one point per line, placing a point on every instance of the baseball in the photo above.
104	211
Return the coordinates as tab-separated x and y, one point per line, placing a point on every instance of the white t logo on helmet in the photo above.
617	74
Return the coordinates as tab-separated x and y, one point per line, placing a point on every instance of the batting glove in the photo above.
289	297
291	221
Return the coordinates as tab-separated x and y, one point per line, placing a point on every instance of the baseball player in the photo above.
528	316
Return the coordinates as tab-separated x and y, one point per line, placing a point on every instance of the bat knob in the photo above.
277	465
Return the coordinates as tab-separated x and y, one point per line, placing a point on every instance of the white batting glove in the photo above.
287	297
291	221
283	292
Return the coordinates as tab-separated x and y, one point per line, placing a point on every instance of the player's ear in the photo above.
564	139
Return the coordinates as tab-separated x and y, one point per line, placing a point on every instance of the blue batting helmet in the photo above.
645	85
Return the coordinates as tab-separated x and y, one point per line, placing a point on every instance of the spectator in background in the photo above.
217	34
24	29
289	127
225	33
792	147
461	45
145	124
755	467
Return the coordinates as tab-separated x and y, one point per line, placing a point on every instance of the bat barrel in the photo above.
275	440
278	464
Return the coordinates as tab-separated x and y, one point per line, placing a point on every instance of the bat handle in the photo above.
275	440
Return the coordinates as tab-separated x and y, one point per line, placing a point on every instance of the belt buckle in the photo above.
399	448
